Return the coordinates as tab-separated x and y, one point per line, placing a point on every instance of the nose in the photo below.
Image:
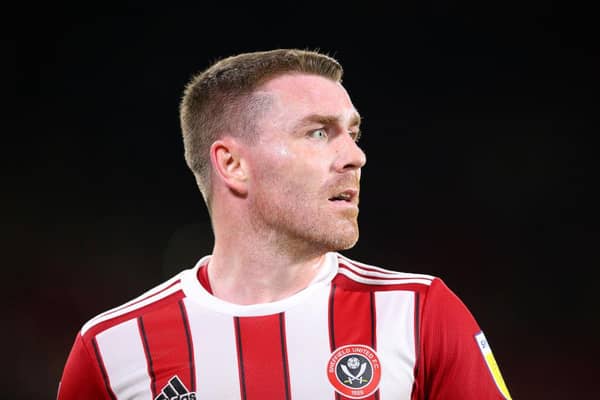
349	155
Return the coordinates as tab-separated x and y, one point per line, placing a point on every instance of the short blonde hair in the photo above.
221	99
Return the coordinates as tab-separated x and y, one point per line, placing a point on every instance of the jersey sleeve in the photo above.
456	361
81	377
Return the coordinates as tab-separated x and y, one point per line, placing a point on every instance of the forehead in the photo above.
296	96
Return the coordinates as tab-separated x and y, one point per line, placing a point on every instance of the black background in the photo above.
478	127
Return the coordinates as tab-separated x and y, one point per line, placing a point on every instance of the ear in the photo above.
229	165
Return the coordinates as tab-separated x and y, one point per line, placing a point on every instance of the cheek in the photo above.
270	169
282	152
276	159
281	168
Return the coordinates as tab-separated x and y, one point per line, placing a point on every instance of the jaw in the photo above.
328	232
344	230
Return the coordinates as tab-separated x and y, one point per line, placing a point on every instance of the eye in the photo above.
355	135
320	133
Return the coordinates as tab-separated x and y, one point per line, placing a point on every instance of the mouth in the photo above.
347	196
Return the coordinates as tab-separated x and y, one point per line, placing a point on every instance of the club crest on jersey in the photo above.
354	371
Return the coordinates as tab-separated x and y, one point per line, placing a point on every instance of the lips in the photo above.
348	195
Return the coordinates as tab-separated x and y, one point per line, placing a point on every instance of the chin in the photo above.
348	244
326	235
343	240
342	248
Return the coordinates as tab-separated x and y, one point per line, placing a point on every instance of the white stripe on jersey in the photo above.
396	342
308	347
124	359
390	279
377	272
137	303
215	352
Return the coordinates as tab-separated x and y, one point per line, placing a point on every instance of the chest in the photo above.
357	344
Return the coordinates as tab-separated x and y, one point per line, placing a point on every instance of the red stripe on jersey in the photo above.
148	355
352	321
188	337
202	276
262	357
167	345
155	302
416	389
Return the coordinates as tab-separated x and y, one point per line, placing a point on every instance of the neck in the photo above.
261	270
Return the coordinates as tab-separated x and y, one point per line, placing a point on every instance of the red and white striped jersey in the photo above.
357	332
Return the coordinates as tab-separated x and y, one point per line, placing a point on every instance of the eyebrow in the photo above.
327	120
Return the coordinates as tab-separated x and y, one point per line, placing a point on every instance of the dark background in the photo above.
478	125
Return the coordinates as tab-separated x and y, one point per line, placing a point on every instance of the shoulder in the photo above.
378	278
159	296
436	302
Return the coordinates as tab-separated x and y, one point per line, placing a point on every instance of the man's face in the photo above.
305	166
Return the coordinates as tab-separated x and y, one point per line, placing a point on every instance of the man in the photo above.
275	312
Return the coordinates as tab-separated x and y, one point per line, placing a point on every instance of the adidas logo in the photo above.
175	390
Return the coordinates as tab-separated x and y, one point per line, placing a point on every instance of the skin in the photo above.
273	213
